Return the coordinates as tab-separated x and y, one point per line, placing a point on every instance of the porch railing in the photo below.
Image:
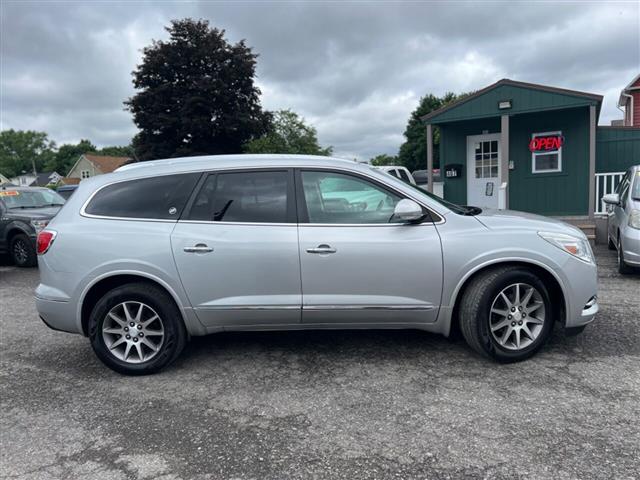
605	183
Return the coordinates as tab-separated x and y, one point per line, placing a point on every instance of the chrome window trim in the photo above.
266	167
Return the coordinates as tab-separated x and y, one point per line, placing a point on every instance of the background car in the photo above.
421	177
24	212
623	221
65	191
399	172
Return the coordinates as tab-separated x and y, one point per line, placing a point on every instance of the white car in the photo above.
399	172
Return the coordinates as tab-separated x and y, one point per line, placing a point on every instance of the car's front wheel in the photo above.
506	314
23	252
136	329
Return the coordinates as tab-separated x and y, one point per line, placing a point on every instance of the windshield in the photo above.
459	209
635	191
30	198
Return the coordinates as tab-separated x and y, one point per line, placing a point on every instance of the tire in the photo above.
23	251
623	268
610	244
476	318
108	315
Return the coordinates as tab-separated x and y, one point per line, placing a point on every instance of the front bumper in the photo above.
580	286
586	316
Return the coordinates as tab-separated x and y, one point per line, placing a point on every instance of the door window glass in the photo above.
161	197
248	197
345	199
486	159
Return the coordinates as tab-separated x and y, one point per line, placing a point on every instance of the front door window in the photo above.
336	198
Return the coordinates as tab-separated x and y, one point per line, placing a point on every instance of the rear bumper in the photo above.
57	315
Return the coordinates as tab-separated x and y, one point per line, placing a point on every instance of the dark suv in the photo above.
24	212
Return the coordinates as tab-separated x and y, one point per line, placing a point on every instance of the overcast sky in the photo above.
353	70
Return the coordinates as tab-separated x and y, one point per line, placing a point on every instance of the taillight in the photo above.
45	240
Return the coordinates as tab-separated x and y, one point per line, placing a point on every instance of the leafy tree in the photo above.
196	94
413	152
288	134
67	155
24	150
383	159
118	151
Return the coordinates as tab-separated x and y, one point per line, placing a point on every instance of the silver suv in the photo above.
623	220
142	259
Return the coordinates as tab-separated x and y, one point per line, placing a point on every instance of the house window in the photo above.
546	152
84	174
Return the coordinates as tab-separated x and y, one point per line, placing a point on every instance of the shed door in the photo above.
483	170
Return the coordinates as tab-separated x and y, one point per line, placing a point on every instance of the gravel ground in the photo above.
350	405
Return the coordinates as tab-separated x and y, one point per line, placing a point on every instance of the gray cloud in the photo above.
354	70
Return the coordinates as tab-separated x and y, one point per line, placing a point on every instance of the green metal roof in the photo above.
524	97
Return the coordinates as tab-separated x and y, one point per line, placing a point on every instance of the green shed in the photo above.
528	147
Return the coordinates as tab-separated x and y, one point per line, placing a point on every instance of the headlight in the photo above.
578	247
634	219
39	225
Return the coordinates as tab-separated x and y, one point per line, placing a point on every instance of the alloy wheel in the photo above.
133	332
20	252
517	316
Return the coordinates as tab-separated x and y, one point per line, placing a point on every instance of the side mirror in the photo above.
408	211
610	199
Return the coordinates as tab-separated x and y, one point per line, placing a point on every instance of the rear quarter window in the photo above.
161	198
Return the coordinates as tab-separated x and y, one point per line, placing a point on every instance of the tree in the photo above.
288	134
413	152
118	151
24	150
384	159
196	94
67	155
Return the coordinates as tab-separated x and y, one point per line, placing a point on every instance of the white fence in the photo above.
605	183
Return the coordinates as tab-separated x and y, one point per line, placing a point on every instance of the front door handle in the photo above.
198	248
322	249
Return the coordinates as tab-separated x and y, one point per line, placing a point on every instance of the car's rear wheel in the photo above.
506	314
23	252
623	268
136	329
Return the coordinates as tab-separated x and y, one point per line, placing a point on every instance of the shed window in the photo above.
546	152
85	174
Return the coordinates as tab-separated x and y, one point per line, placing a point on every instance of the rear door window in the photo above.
158	198
245	197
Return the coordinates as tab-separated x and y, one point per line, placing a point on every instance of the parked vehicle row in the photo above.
143	258
623	220
24	212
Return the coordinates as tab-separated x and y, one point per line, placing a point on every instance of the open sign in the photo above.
546	143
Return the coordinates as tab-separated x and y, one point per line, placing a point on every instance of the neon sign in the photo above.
546	143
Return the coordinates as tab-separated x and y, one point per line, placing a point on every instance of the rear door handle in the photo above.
322	249
198	248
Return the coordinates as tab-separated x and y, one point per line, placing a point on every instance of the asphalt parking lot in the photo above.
346	405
